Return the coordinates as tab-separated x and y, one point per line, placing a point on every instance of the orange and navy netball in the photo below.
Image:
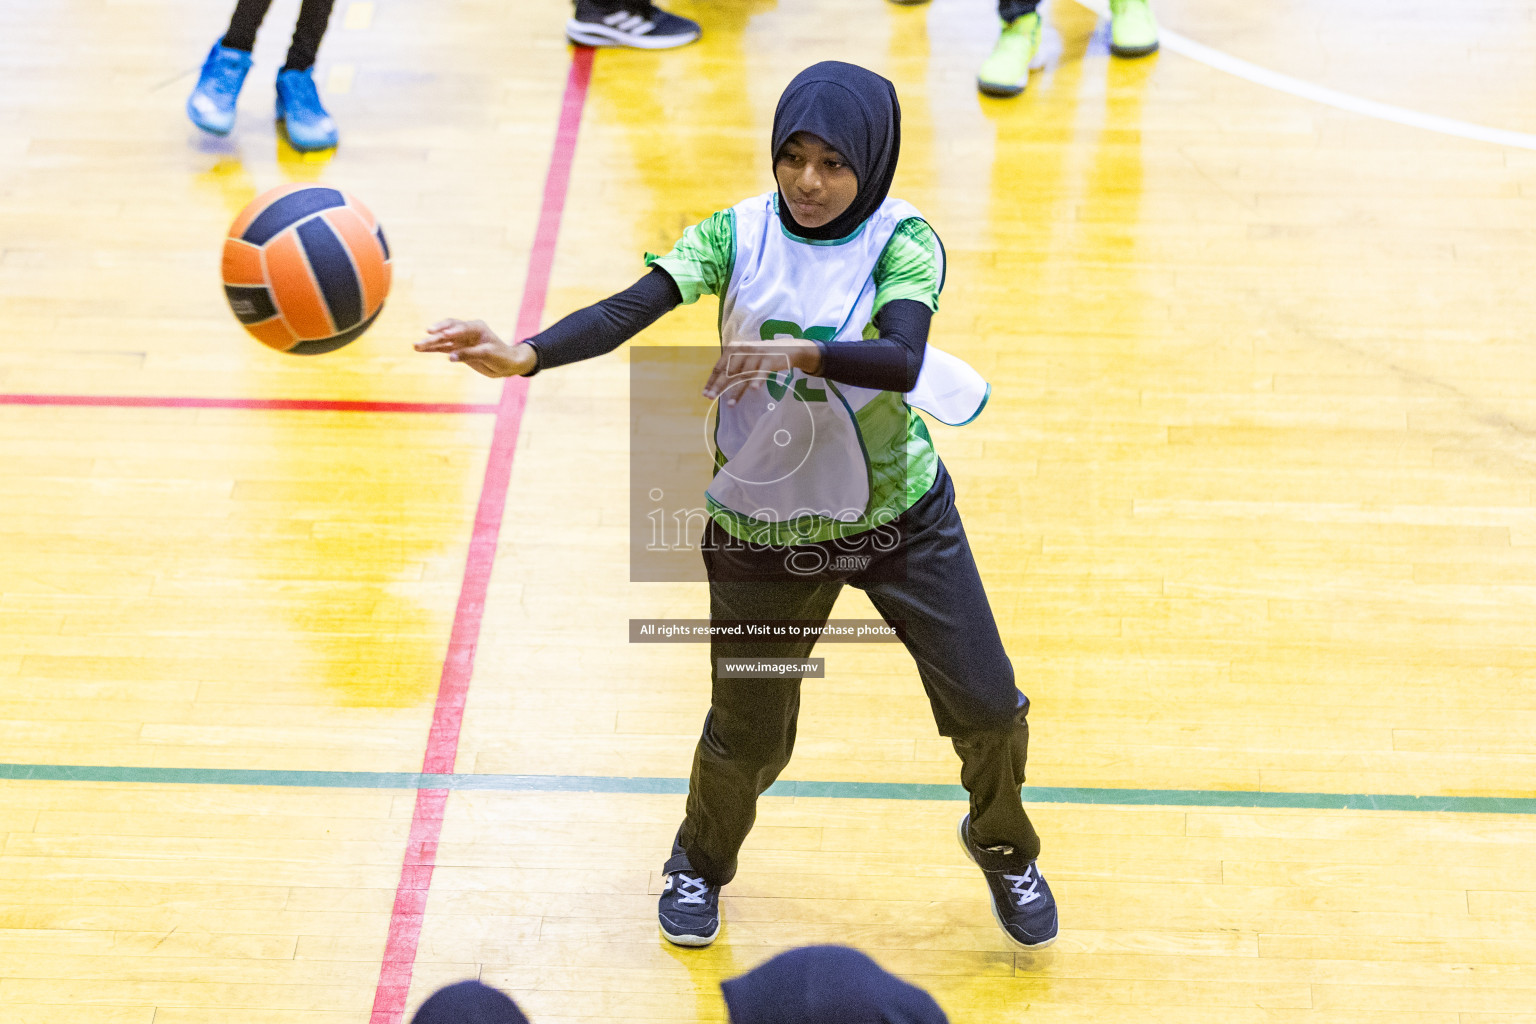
306	268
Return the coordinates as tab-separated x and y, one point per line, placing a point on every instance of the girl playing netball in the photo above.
826	288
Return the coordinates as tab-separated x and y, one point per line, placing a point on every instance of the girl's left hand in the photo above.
744	365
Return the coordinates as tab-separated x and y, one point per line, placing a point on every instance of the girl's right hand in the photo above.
475	345
744	365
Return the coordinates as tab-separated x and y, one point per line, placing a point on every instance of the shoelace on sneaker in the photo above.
1023	886
691	890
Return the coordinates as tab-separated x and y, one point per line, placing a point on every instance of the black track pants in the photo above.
938	606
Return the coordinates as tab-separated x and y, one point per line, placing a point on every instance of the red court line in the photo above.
299	404
453	688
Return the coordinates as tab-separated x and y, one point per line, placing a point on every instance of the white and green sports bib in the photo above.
802	459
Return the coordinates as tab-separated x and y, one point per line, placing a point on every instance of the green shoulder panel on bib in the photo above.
702	260
911	266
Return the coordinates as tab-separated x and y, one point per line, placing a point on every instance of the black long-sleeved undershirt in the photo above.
603	326
888	363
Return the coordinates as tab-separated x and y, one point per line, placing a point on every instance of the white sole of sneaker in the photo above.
960	835
693	941
587	34
211	127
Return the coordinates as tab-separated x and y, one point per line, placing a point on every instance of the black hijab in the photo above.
469	1002
826	985
854	111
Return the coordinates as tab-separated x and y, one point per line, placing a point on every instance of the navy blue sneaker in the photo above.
689	912
309	127
1021	901
212	104
637	23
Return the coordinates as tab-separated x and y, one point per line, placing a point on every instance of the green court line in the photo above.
831	790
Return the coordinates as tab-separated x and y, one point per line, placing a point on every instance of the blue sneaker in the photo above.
309	127
1021	901
212	104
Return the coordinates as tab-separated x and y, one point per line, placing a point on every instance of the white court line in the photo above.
1330	97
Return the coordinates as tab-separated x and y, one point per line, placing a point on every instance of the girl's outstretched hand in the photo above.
475	345
744	365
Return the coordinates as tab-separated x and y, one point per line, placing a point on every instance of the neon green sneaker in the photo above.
1006	72
1133	31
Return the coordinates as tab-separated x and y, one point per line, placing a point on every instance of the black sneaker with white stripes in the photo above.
638	23
1021	901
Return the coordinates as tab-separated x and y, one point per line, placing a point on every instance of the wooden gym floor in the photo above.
1253	499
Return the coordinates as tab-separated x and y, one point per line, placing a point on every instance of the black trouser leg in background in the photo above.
244	23
314	16
939	608
1011	9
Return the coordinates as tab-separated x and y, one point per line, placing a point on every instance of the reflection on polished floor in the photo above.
1254	499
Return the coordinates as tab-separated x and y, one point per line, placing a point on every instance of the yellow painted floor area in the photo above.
1253	500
